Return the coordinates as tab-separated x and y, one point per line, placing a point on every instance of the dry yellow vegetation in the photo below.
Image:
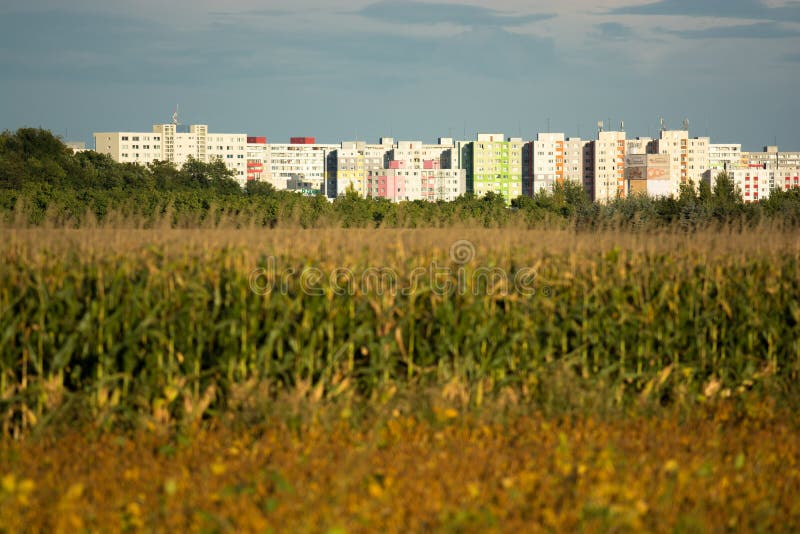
723	468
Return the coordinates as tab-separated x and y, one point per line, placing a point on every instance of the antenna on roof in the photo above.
599	126
175	116
621	126
663	125
686	124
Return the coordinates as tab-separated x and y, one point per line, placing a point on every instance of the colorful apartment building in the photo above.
412	170
492	164
258	159
403	180
353	159
360	164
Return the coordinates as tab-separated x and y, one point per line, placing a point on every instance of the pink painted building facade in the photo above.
402	181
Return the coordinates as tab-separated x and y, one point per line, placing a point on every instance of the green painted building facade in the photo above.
493	163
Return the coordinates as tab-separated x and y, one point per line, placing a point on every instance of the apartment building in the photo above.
76	146
353	160
573	155
756	183
648	174
772	158
406	170
753	184
786	178
547	158
689	157
166	143
639	145
607	175
258	159
726	157
492	163
405	181
300	165
574	161
350	171
417	152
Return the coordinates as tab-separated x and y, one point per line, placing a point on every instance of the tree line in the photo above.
43	183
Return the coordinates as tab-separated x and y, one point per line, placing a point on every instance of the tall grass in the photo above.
163	326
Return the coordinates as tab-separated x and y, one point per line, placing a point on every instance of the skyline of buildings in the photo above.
608	167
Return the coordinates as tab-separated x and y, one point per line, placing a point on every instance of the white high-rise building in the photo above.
302	164
725	157
548	161
574	161
165	143
753	184
689	157
772	158
640	145
608	169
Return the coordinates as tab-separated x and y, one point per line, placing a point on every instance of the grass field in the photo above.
361	380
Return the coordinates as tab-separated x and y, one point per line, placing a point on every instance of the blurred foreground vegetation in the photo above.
727	467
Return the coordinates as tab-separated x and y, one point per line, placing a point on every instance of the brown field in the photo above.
724	468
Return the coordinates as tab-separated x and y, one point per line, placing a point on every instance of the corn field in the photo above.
172	329
234	353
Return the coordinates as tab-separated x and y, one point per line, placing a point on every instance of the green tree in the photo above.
258	188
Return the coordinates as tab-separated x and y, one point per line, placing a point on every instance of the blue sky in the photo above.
413	70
